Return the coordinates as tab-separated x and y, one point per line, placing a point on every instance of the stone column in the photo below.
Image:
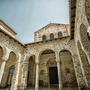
2	70
59	76
59	72
37	75
25	75
17	77
4	59
14	86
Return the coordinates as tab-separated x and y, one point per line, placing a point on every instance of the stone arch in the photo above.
4	50
17	55
2	53
43	49
67	49
87	10
10	62
67	69
84	65
31	71
28	57
83	35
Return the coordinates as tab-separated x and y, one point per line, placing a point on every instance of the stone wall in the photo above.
10	45
57	46
81	39
68	70
74	65
52	28
10	62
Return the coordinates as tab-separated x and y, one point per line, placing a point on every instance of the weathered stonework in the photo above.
32	61
52	28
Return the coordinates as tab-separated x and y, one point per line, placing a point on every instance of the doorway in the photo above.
53	75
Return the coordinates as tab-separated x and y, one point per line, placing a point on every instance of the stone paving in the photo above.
53	88
48	88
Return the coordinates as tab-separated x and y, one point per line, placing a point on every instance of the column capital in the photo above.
4	59
26	62
58	60
6	56
57	57
75	55
37	61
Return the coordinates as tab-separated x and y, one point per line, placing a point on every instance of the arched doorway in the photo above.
10	62
52	71
67	69
48	69
31	72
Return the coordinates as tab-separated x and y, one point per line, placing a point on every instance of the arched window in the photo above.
44	37
11	72
51	36
59	34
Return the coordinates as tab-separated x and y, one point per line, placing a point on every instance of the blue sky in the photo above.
27	16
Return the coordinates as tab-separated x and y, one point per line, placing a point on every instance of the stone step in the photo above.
4	89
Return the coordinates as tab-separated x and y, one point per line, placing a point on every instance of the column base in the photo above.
61	88
21	87
36	88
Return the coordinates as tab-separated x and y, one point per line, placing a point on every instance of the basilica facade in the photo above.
59	55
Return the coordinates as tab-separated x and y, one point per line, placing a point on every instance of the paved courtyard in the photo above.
48	88
53	88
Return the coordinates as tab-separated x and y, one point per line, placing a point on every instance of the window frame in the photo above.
60	35
10	75
51	36
43	37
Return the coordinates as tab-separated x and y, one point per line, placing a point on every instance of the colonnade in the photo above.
37	61
59	72
4	59
3	65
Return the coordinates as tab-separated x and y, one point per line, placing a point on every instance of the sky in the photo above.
27	16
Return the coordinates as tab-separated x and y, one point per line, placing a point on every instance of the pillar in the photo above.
2	70
15	81
4	59
25	75
17	77
59	71
37	75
